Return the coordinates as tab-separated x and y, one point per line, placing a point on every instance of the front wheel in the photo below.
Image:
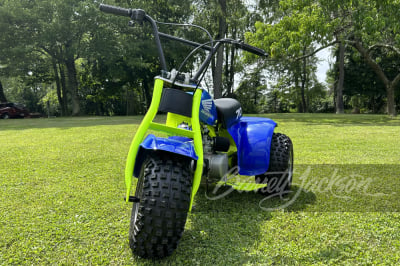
158	219
280	172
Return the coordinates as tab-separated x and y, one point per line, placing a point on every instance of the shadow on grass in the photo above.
297	200
336	120
226	230
331	254
68	122
90	121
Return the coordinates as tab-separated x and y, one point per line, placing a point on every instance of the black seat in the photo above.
229	111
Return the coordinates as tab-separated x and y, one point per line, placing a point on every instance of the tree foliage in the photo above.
364	25
95	61
67	56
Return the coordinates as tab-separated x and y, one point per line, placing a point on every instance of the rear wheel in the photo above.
5	116
279	175
158	219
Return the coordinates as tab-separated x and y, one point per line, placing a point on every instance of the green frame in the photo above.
147	123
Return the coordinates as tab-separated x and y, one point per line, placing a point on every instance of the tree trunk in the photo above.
297	88
231	75
58	87
230	66
339	88
2	95
226	73
64	105
217	74
390	85
73	84
303	84
217	78
146	93
59	74
391	106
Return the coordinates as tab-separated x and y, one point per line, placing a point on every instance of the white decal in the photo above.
207	104
239	113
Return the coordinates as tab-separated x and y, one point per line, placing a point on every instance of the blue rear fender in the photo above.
253	137
176	145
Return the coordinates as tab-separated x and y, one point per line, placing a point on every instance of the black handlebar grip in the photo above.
116	10
251	49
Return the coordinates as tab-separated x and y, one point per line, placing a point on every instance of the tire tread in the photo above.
163	209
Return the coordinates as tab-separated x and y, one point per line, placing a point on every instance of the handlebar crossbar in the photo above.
139	15
194	44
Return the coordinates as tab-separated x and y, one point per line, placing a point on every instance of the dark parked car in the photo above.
13	110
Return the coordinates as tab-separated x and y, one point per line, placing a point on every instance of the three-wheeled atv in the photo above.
205	139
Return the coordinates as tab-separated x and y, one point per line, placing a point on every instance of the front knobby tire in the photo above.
280	172
158	220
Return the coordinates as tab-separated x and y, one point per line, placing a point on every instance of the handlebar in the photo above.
140	15
116	10
135	14
250	48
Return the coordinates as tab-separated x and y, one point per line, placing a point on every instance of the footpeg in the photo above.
132	199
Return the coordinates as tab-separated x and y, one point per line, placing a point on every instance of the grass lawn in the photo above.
62	188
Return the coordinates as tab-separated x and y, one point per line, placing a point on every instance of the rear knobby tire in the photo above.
158	220
280	171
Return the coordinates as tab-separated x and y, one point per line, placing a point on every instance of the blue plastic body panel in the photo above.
175	144
253	136
208	110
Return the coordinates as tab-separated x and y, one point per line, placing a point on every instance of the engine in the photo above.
215	160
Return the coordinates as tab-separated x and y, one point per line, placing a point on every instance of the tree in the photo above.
390	84
122	60
376	26
339	87
53	29
2	95
362	83
79	47
19	62
365	25
228	19
250	92
90	62
337	14
218	65
12	45
290	40
207	13
62	31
